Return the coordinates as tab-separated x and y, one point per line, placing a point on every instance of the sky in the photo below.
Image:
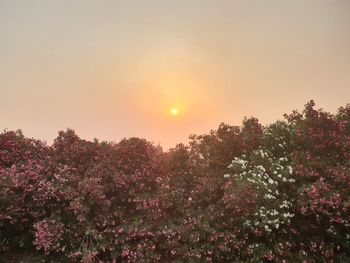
116	69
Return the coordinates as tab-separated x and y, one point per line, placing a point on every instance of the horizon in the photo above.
100	140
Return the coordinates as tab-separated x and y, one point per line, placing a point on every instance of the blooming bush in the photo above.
272	178
238	194
48	234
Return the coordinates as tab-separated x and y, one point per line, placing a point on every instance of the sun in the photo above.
174	111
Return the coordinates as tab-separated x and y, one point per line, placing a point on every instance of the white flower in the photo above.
226	175
261	168
267	229
274	212
285	204
247	223
238	161
269	196
286	215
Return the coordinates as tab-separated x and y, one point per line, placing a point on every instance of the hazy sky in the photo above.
114	69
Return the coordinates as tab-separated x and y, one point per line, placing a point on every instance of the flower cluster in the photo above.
48	234
270	176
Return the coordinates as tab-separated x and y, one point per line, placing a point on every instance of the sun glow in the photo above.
174	111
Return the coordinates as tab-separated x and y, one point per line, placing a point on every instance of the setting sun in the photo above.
174	111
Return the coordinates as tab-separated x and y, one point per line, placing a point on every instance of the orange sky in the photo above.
115	69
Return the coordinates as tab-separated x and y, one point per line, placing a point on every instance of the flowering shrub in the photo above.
272	178
238	194
47	235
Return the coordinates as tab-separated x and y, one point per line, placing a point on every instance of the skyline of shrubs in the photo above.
276	193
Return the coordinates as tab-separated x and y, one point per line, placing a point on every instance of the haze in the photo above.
115	69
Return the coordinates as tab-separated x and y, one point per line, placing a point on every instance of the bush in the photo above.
238	194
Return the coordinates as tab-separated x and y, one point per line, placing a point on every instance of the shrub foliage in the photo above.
279	193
